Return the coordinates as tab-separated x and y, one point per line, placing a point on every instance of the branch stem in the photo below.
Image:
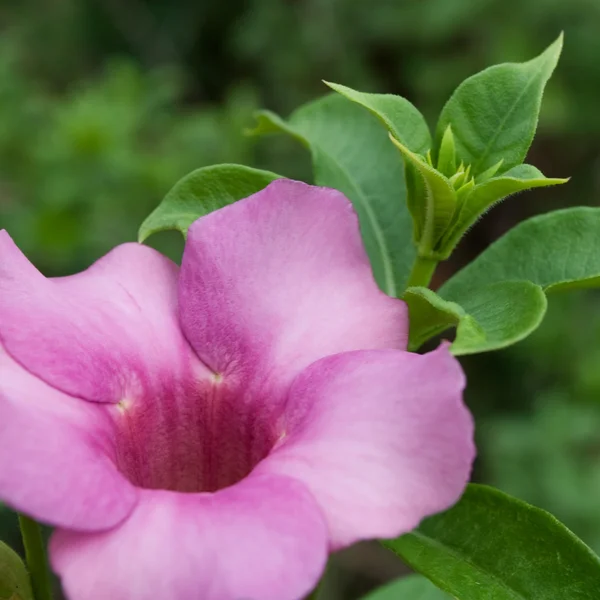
422	272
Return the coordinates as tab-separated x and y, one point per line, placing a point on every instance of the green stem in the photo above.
35	555
422	272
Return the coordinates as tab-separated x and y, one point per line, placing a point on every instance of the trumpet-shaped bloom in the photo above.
212	432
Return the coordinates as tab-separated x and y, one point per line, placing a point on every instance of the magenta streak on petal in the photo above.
196	435
72	463
111	334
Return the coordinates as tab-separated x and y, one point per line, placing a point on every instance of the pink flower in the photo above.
213	432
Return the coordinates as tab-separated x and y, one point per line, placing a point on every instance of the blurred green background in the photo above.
104	104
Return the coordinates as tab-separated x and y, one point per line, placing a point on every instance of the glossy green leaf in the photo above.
439	201
201	192
412	587
494	113
488	318
491	546
14	579
401	118
557	250
483	196
352	153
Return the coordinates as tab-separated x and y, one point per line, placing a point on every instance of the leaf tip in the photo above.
258	128
554	50
145	230
267	122
339	88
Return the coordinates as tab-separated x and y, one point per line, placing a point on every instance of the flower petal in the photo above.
262	539
281	279
99	335
55	460
381	438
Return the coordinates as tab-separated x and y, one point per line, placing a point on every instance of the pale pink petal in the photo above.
262	539
55	455
381	438
103	334
276	281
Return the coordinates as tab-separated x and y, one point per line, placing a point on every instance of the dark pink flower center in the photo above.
199	439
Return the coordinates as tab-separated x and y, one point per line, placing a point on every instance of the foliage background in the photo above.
104	104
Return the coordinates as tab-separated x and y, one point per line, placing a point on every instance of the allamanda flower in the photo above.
213	431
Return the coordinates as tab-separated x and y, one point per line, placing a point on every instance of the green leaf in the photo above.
506	311
431	198
446	163
14	579
430	315
401	118
351	152
201	192
490	546
488	318
503	290
413	587
268	122
483	196
439	201
415	194
557	250
489	173
494	113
